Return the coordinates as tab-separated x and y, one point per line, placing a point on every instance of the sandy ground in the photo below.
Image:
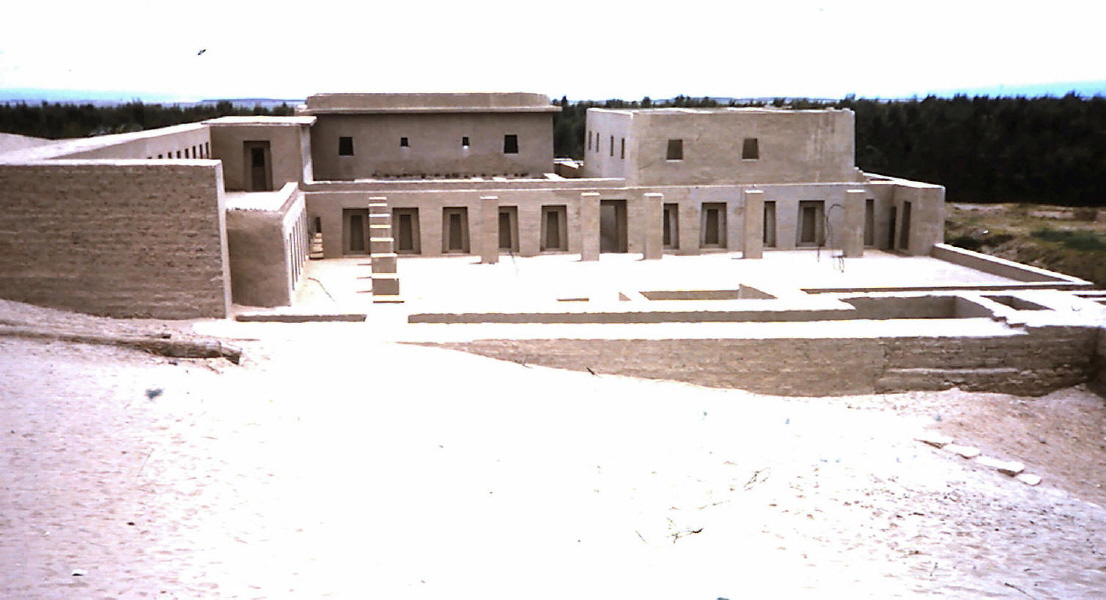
327	465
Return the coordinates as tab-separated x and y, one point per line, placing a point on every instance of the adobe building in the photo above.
183	221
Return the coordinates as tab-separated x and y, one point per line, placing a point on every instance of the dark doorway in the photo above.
554	227
355	231
612	226
455	230
904	229
891	228
811	223
769	223
713	233
508	228
671	226
259	171
406	224
870	222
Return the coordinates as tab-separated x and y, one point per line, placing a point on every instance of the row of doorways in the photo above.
613	231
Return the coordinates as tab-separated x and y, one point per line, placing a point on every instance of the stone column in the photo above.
689	227
852	234
487	230
752	242
654	227
589	226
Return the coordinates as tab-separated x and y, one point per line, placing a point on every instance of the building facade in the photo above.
228	208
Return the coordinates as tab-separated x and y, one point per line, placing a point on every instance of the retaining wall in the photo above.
1032	363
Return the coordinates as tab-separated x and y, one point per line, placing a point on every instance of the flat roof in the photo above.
416	103
261	121
727	110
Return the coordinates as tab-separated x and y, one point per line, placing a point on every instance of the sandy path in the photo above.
332	467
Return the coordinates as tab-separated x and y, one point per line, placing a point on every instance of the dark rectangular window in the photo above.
510	144
403	142
589	140
675	150
345	146
612	145
750	149
623	153
465	141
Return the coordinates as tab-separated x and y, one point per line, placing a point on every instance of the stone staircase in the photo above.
385	280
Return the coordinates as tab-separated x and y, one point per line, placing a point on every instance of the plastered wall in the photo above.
327	202
794	146
180	142
287	151
267	250
119	238
434	145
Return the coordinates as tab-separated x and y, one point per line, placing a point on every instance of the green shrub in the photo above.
1084	241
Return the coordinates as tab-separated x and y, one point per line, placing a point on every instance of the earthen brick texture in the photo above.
120	240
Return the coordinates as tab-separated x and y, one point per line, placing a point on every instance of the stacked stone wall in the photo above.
1034	363
120	239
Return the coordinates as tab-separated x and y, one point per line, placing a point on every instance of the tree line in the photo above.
57	120
982	149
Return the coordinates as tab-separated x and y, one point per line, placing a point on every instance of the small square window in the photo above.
510	144
465	141
345	146
675	150
403	143
750	149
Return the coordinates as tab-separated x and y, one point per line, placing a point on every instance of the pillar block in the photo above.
852	236
589	226
487	229
752	239
654	226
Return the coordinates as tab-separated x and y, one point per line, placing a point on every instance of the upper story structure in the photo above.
685	146
430	136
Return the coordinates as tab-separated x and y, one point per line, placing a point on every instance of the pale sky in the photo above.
594	49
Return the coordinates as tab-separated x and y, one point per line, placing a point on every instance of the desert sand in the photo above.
331	465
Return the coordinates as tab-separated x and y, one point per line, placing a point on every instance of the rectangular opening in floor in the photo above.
743	292
1017	303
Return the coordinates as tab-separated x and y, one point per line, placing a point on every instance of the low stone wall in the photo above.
1037	362
1002	267
115	238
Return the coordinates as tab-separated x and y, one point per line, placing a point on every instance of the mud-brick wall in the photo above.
119	238
1037	362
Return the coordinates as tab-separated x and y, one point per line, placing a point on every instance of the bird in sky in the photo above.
202	50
